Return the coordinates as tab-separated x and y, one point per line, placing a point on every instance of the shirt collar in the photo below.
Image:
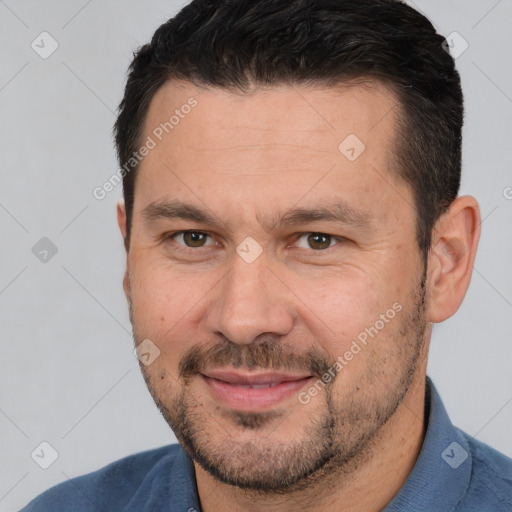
442	472
185	478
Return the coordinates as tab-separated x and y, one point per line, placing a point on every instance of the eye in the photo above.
316	241
191	238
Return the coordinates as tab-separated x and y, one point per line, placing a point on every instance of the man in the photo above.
293	230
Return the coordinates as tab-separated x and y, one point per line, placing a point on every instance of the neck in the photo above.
368	485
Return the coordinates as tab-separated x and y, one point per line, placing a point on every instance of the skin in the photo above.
246	159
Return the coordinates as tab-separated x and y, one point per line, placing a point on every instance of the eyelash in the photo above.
172	236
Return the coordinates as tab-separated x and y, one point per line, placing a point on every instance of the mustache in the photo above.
263	355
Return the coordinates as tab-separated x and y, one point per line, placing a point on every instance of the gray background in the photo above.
67	372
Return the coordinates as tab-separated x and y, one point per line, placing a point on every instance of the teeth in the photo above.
256	386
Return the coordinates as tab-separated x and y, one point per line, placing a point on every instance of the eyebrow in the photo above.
339	212
177	210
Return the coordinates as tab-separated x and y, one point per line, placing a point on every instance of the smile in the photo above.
252	392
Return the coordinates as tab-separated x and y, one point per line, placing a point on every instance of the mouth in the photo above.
253	392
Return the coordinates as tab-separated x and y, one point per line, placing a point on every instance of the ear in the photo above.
121	221
121	217
451	257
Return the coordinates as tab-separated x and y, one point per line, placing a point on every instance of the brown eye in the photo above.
194	239
319	241
315	241
191	238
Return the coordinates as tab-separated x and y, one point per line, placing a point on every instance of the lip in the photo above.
253	392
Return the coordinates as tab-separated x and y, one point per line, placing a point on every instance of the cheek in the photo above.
355	306
344	304
164	301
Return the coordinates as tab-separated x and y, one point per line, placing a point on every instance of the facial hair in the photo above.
336	439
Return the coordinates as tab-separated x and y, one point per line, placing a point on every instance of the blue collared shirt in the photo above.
453	473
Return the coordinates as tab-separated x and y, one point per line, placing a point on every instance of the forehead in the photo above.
316	117
271	146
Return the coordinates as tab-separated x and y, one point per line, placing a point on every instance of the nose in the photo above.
250	301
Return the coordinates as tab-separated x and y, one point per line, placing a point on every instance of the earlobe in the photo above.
451	258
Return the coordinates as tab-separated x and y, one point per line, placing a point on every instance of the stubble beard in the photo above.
336	440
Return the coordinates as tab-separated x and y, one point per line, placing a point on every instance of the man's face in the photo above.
265	294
